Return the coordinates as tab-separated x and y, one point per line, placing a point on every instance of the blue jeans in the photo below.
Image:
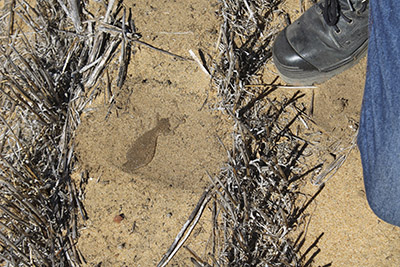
379	136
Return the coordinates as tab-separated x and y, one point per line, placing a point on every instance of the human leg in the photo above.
300	54
379	136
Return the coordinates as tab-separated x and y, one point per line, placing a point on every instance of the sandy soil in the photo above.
156	199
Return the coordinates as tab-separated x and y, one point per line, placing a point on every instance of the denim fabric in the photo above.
379	136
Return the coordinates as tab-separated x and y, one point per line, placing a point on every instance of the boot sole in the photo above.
318	77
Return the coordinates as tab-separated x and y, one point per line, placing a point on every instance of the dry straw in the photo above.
53	55
257	209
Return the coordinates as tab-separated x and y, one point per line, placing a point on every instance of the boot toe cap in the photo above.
286	59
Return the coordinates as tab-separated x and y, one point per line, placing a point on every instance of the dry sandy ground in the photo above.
157	198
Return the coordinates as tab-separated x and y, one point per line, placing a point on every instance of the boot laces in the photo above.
331	11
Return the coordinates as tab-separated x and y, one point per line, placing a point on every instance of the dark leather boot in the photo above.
327	39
